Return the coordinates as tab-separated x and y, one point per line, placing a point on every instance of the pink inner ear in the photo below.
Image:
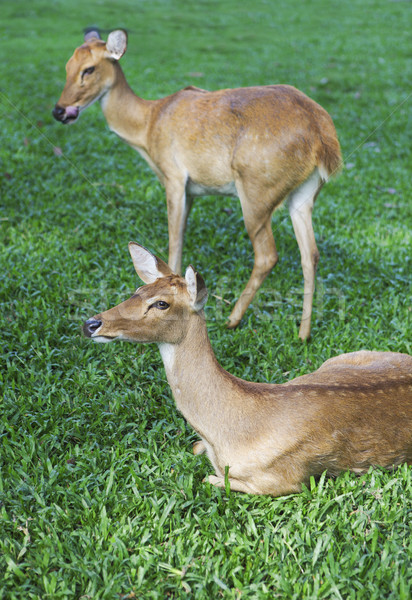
190	277
144	263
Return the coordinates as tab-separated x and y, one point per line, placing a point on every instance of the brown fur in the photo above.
261	144
354	412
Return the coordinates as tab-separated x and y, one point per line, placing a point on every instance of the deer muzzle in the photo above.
66	115
91	326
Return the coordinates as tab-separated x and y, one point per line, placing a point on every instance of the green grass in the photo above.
100	495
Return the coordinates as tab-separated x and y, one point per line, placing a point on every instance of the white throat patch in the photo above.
167	352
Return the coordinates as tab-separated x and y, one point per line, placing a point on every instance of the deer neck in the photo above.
199	384
126	114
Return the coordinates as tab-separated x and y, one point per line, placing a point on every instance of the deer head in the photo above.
91	71
157	312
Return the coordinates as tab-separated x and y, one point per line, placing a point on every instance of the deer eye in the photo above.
160	304
88	71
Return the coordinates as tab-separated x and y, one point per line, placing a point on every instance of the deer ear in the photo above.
196	288
147	265
91	32
116	44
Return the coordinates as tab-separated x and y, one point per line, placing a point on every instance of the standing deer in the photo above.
262	144
353	412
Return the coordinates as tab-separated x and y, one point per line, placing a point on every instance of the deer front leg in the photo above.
236	485
178	208
199	447
278	485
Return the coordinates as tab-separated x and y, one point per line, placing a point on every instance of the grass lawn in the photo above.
100	496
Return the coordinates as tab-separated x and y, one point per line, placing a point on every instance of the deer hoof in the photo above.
199	448
232	323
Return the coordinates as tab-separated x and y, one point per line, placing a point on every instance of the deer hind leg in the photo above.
259	227
301	202
178	208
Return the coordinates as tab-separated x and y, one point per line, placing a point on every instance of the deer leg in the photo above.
278	487
259	227
236	485
301	203
178	208
199	447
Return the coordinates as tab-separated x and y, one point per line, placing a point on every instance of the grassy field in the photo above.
100	496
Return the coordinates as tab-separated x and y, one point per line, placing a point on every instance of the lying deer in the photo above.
262	144
353	412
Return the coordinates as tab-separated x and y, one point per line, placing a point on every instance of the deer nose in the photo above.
90	326
58	112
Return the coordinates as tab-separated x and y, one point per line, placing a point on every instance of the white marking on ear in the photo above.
116	44
148	266
145	263
197	293
190	277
